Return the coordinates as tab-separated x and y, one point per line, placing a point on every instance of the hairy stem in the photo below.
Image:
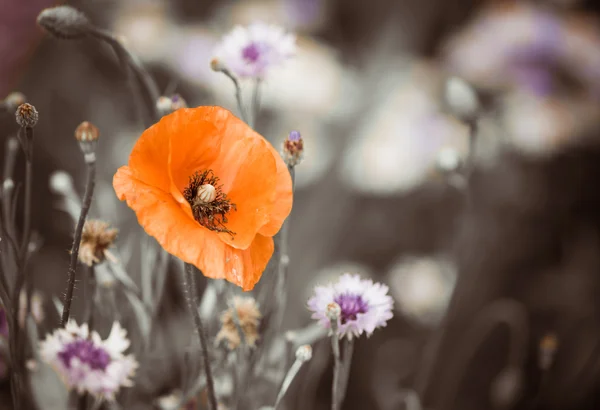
87	201
346	363
238	95
255	102
335	387
189	285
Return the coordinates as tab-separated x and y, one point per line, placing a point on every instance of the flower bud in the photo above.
26	115
547	351
206	193
61	183
167	105
64	22
507	387
293	149
216	65
14	100
87	135
448	160
304	353
333	311
462	99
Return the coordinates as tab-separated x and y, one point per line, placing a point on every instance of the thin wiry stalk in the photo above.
189	285
287	381
27	210
150	93
255	102
87	201
346	363
335	387
10	158
238	95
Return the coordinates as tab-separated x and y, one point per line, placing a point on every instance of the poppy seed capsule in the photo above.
26	115
64	22
206	193
304	353
217	65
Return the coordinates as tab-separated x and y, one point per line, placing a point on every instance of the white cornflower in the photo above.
87	363
364	305
249	52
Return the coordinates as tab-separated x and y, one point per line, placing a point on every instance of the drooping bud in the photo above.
293	149
87	135
304	353
206	193
26	115
64	22
461	99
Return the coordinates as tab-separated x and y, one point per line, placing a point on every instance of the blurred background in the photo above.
487	280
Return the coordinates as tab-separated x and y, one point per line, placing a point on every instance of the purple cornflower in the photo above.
87	363
364	305
249	52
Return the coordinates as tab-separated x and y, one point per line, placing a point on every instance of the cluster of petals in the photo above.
364	305
86	363
251	173
250	52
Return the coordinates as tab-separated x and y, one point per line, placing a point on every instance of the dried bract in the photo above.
97	237
249	318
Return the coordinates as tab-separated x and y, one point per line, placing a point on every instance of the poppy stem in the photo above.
335	387
189	286
255	103
87	201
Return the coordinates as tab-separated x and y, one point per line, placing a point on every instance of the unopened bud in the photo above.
304	353
64	22
333	311
61	183
14	100
26	115
448	160
462	99
293	149
87	135
206	193
217	65
507	387
547	350
167	105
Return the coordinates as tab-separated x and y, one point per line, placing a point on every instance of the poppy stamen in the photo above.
209	203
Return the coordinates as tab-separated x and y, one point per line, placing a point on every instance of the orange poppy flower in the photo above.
210	190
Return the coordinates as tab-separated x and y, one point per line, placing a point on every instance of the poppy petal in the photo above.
162	218
147	161
249	180
283	197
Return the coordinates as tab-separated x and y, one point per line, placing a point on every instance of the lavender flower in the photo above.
250	52
87	363
364	305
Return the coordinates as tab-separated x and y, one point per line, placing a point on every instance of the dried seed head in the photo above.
206	193
87	135
304	353
97	237
26	115
293	149
13	100
333	311
462	99
64	22
249	318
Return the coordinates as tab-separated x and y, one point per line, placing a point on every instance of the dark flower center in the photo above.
351	305
85	350
251	53
212	215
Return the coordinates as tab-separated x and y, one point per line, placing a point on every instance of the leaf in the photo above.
121	275
58	305
48	390
141	314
